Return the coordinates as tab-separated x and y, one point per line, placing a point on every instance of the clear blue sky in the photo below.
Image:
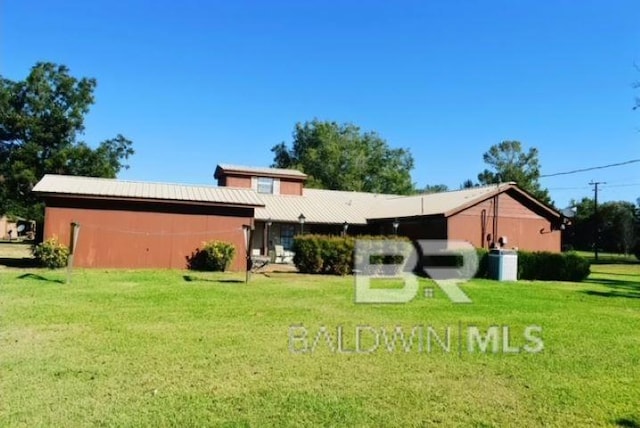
196	83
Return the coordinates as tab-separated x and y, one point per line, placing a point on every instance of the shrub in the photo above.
546	266
483	263
334	255
307	253
577	268
636	250
214	256
51	254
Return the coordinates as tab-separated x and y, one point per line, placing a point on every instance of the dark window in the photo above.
286	236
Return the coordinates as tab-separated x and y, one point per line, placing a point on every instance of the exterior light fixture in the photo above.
345	226
301	219
396	223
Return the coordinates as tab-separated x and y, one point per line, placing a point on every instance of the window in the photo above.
286	236
265	185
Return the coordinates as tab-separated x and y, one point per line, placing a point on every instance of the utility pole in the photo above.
596	219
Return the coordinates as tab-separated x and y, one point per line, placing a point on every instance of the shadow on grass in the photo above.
22	263
192	278
615	283
628	422
39	278
613	293
618	288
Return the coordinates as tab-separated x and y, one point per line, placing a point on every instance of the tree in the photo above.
40	121
341	157
434	188
468	184
616	225
510	163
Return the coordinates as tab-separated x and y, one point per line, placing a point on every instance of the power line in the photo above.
575	171
621	185
568	188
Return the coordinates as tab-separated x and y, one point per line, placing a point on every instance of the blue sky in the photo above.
196	83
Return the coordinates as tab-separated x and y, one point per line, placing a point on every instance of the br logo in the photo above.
399	259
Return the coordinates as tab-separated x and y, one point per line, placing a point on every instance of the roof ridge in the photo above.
165	183
265	169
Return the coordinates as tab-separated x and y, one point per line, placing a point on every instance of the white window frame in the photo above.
261	186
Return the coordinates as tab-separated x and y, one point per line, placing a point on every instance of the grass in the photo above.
171	348
609	258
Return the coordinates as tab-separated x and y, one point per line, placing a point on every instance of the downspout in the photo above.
497	216
483	228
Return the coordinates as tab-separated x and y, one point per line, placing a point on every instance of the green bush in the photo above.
483	263
334	255
214	256
51	254
547	266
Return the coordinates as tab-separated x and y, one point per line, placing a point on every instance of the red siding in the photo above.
290	187
523	227
136	238
243	182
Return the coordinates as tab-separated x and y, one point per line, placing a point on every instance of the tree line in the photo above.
42	120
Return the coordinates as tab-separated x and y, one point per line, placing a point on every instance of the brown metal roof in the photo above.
319	206
262	171
446	203
112	188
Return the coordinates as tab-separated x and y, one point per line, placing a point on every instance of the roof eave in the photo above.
498	191
43	194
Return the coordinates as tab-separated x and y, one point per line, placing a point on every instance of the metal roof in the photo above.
319	206
331	206
434	203
259	170
112	188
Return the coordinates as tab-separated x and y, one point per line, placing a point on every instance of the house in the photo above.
140	224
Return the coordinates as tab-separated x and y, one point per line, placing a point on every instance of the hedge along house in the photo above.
126	224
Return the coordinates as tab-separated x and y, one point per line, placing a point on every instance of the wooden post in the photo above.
248	239
73	242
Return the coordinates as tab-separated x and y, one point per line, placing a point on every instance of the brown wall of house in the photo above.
288	187
139	235
231	181
517	220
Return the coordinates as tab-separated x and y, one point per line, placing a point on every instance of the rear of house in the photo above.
126	224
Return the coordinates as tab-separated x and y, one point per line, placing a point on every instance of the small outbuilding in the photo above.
128	224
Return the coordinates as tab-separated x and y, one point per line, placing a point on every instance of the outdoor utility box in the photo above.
503	265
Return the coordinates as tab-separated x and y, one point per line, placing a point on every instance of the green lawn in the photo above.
171	348
609	258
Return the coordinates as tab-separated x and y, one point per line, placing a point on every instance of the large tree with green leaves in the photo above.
41	119
508	162
616	223
342	157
